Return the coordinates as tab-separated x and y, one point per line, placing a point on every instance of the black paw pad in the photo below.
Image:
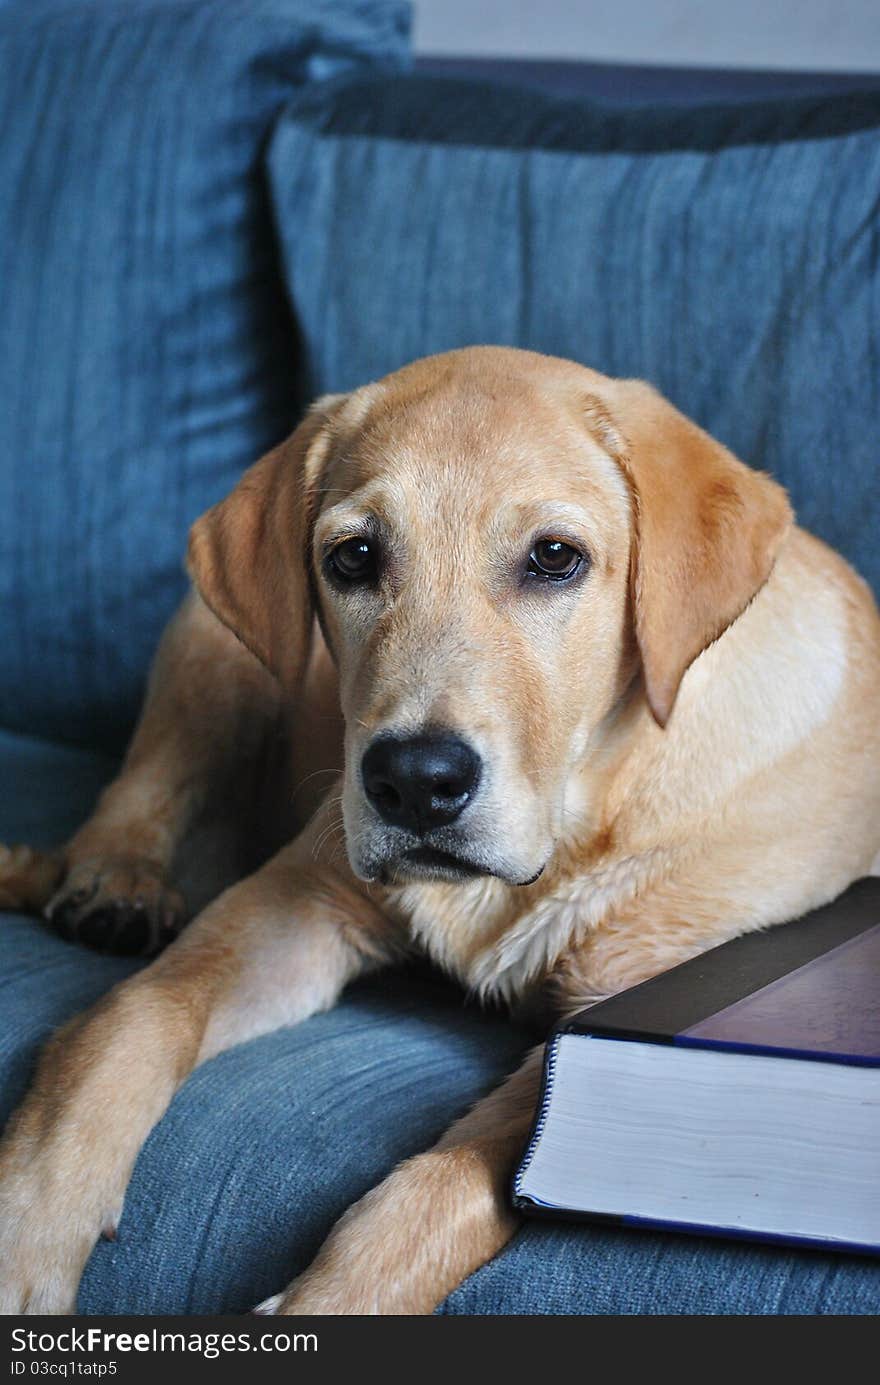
115	927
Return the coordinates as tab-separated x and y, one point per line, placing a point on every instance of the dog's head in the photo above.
496	544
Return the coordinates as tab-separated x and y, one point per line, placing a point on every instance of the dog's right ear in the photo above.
248	556
707	530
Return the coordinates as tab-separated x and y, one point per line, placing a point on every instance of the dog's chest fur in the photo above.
501	941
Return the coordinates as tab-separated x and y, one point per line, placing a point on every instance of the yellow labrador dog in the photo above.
591	704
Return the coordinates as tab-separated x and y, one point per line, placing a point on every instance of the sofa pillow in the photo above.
147	354
730	255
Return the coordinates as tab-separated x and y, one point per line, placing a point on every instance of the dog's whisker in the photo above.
314	775
337	853
332	827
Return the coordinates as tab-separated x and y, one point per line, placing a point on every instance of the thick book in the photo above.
737	1094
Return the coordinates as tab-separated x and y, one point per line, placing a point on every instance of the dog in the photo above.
496	660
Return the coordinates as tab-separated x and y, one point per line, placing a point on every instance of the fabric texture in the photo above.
728	254
146	352
573	1268
265	1146
636	84
47	791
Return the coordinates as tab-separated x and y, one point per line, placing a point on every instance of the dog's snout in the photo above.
420	782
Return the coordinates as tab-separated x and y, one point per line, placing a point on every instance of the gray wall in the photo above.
827	35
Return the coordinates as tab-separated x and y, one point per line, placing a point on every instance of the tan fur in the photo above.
682	746
708	531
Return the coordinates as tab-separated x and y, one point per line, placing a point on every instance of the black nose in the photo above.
421	782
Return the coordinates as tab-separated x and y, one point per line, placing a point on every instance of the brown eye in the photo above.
554	560
355	560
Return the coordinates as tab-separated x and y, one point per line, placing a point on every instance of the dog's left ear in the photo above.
248	555
707	531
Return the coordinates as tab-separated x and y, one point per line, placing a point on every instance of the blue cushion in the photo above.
48	790
728	254
264	1147
643	84
581	1269
146	352
267	1144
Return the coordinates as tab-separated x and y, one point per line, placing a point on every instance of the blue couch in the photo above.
211	209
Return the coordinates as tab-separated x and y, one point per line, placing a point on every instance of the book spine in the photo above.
550	1054
544	1211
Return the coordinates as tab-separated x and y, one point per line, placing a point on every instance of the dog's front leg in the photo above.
437	1217
271	951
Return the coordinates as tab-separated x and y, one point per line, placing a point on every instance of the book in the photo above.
737	1094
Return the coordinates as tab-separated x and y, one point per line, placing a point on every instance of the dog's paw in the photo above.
28	877
35	1281
46	1234
269	1307
122	905
317	1295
